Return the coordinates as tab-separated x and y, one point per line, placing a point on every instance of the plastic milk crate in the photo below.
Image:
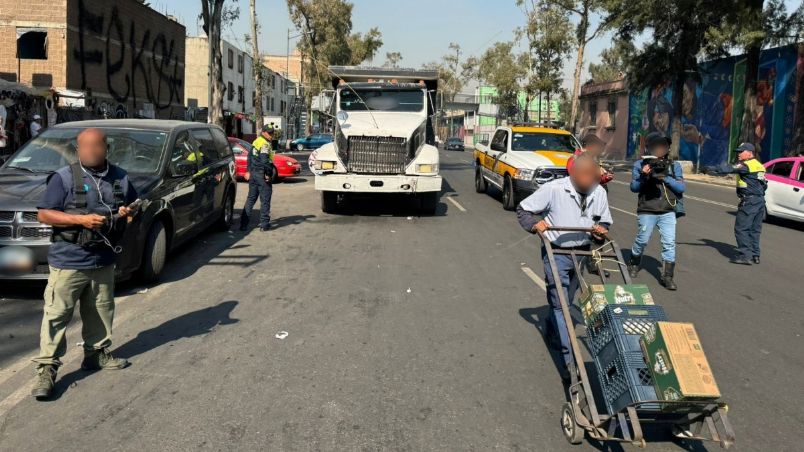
625	379
621	326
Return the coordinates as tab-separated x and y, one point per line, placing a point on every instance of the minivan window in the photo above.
183	152
136	151
221	142
206	144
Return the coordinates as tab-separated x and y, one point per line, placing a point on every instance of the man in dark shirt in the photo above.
85	203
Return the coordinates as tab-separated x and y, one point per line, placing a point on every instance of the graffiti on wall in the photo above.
712	109
129	59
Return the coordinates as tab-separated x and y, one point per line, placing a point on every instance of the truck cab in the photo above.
383	137
521	158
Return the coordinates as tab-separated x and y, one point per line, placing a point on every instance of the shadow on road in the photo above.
725	249
290	220
196	323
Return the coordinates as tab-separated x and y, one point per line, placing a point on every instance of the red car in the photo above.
285	166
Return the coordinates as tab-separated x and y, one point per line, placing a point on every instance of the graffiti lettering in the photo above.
159	75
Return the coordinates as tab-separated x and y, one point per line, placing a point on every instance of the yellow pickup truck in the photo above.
520	158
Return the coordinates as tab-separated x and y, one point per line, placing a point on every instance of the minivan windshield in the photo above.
382	100
136	151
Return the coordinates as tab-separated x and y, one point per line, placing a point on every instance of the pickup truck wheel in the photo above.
428	202
480	183
155	254
329	201
508	195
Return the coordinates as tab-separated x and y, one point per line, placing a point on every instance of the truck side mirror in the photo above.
499	147
484	142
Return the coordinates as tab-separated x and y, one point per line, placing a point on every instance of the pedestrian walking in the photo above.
259	173
751	186
85	203
574	201
659	184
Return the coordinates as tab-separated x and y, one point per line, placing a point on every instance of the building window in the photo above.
282	107
31	43
230	55
253	98
593	112
240	94
612	114
272	104
229	91
240	64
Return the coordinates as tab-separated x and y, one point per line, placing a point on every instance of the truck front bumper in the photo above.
366	183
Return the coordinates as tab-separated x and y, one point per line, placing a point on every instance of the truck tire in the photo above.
428	202
329	201
480	182
155	254
226	219
508	194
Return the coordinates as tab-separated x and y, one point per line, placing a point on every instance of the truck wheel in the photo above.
508	194
155	254
227	215
428	202
480	183
329	201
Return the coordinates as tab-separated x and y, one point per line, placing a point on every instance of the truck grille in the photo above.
30	217
35	233
6	217
377	155
5	232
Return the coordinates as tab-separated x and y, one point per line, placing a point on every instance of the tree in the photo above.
549	34
613	64
392	59
499	68
214	14
585	32
328	38
256	66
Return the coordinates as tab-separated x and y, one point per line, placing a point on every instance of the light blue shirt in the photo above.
560	204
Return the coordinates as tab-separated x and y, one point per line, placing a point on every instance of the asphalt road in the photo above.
403	333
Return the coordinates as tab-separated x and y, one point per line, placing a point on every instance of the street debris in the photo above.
410	218
408	290
79	344
143	290
281	335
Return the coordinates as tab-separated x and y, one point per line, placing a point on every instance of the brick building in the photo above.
105	58
604	112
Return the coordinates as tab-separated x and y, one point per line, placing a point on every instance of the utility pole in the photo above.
257	67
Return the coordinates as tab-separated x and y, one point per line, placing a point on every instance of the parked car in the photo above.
454	144
314	141
785	195
183	172
285	166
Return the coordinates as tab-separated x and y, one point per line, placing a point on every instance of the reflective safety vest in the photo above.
261	155
751	178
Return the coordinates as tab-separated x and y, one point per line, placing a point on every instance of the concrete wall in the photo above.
196	72
130	56
614	131
48	14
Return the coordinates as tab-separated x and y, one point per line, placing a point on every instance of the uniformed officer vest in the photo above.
754	182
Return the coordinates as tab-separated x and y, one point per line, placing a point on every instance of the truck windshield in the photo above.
382	100
136	151
543	142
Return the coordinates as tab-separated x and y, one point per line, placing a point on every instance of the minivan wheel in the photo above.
155	254
227	215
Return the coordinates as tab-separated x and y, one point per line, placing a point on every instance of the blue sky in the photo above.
420	30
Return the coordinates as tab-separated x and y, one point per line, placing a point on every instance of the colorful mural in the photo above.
712	108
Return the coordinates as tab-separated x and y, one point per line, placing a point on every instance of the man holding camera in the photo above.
259	174
88	204
659	182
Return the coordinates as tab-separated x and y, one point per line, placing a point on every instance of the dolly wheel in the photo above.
572	431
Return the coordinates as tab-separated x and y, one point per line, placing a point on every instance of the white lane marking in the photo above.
623	211
460	207
694	198
535	278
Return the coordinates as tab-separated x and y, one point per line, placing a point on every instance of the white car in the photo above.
785	195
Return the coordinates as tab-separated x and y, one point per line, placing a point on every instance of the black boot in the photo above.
667	277
634	265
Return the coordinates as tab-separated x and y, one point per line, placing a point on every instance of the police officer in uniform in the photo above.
751	186
260	171
86	204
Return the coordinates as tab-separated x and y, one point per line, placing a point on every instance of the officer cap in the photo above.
746	147
268	128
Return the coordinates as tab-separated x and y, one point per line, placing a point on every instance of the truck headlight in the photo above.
324	165
524	174
427	168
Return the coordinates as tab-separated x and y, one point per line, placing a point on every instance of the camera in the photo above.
658	165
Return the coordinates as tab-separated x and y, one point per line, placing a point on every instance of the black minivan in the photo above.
183	172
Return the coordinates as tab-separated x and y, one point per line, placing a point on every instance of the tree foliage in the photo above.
613	62
451	75
392	59
499	68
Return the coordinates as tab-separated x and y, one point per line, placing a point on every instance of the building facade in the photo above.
103	59
604	111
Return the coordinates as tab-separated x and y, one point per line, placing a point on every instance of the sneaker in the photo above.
102	360
44	382
265	228
755	259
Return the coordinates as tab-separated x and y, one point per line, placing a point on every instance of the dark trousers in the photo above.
748	225
569	283
258	188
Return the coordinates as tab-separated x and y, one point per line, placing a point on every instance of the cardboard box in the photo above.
677	363
598	296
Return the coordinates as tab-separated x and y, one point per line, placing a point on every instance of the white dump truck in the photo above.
383	137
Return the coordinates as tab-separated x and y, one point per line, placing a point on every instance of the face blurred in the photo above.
594	149
745	155
585	175
91	147
660	150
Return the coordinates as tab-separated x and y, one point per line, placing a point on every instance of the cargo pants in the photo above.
94	289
